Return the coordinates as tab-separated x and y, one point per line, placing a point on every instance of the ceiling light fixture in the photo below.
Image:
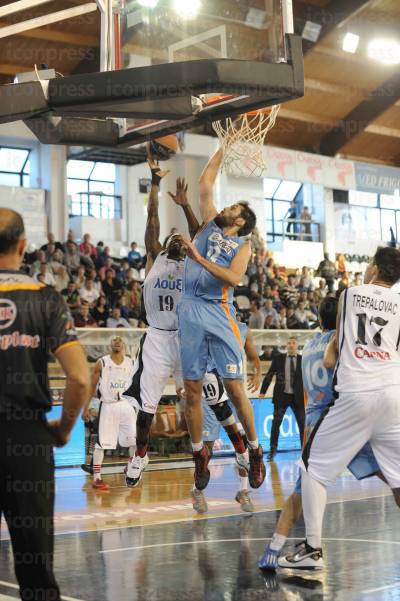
385	51
148	3
187	9
350	42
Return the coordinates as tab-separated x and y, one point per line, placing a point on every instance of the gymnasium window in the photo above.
91	187
380	209
14	167
278	194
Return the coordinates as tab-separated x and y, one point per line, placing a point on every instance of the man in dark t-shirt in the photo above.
34	322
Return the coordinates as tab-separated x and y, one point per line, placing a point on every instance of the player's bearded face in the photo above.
176	250
228	216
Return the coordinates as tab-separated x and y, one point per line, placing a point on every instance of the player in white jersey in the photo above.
367	403
117	418
159	353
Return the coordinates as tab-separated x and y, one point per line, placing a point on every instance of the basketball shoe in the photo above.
269	559
244	500
257	467
305	557
199	501
98	484
135	470
201	471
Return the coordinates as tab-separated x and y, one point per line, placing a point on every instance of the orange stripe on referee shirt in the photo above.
233	322
13	287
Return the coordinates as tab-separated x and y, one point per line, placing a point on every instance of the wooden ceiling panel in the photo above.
374	148
291	133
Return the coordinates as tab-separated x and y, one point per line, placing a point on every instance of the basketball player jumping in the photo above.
117	419
217	260
318	363
218	412
366	407
159	352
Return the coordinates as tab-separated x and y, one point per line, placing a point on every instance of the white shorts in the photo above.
353	420
117	423
158	359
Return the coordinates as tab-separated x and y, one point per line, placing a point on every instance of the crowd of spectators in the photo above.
100	291
272	297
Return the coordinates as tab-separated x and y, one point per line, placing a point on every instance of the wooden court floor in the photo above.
146	544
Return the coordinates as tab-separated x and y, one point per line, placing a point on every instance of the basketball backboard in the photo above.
165	66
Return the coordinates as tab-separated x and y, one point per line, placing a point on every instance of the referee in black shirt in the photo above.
34	322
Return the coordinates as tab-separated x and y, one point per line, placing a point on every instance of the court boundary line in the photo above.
198	518
235	540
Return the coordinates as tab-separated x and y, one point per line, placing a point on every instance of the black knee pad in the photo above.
222	411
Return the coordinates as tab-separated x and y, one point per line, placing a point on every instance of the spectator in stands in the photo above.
80	277
51	239
40	258
72	257
134	257
306	227
302	316
289	294
102	257
46	276
267	353
122	271
86	247
291	319
83	319
56	261
100	248
101	312
282	318
252	266
306	280
131	277
135	298
89	293
343	283
268	309
70	238
116	321
290	216
108	266
87	258
320	292
71	296
340	264
49	252
96	280
358	279
270	323
256	319
61	278
326	269
111	287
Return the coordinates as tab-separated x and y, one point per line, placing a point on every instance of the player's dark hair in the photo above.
11	230
250	219
387	260
327	311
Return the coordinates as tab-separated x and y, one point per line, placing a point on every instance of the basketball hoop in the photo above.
242	140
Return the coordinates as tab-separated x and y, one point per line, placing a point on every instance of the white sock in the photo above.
132	451
278	540
314	499
197	446
98	457
194	487
253	444
244	483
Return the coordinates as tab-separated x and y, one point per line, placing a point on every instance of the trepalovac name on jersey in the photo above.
367	302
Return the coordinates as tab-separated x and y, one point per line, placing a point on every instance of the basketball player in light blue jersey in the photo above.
216	262
318	387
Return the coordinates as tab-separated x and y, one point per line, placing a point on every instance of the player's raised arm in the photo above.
152	233
207	181
231	275
180	198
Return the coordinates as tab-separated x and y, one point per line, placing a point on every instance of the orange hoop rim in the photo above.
223	98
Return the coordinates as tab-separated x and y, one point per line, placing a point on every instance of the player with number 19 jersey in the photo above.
159	351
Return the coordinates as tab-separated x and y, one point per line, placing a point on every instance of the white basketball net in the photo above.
242	141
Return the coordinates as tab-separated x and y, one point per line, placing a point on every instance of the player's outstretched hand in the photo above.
61	436
180	197
191	250
156	169
253	382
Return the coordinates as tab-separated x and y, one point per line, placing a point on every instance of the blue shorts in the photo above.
364	464
209	330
